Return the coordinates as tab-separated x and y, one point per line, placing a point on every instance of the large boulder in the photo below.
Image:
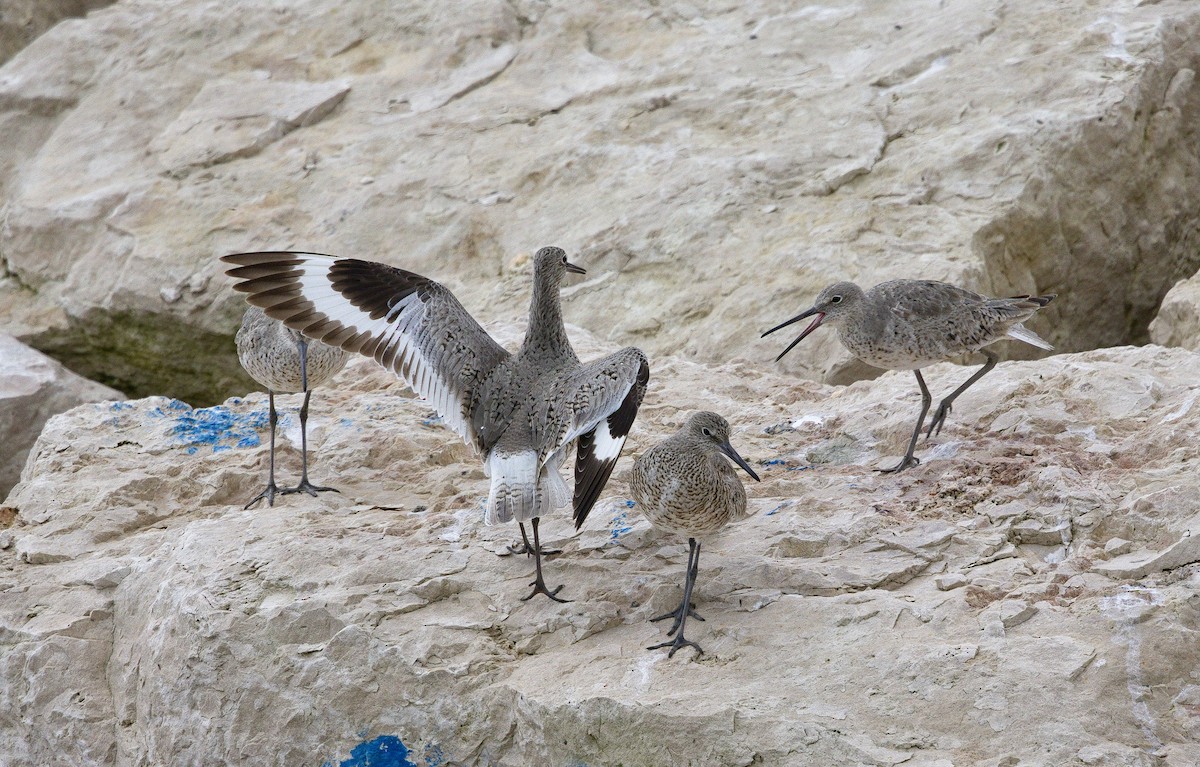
34	387
23	21
712	165
1027	595
1178	319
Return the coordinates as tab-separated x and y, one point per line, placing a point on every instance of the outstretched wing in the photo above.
601	400
408	323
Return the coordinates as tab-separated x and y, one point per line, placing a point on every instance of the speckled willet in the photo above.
520	411
282	359
908	324
683	486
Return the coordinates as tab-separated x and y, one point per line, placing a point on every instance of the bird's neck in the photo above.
546	332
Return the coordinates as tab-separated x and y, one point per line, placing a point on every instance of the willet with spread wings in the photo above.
521	411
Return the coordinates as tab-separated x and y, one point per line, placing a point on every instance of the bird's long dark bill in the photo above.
575	269
728	450
812	326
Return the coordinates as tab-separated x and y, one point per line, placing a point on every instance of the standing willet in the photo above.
908	324
683	486
519	411
281	359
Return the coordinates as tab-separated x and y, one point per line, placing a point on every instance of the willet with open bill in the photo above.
909	324
520	411
283	360
684	485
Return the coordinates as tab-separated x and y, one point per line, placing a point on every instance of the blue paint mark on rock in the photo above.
786	464
384	751
218	428
778	508
620	525
434	756
121	417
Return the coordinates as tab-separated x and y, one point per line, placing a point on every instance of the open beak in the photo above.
728	450
575	269
812	326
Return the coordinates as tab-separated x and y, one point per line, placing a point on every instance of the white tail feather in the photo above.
1022	333
555	491
514	493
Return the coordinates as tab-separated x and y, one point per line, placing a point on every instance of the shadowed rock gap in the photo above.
1111	221
144	354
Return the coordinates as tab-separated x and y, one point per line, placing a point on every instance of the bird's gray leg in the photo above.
678	613
270	490
539	585
305	485
526	549
679	640
939	416
909	459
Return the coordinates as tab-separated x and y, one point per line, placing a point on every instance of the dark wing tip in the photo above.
375	288
591	474
289	257
1038	301
590	477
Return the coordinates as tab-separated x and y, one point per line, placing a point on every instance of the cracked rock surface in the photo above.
34	387
1025	596
712	165
967	610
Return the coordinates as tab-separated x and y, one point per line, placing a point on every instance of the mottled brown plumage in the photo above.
684	485
909	324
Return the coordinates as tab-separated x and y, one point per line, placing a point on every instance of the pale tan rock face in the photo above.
22	21
33	388
1027	595
1178	319
711	165
973	610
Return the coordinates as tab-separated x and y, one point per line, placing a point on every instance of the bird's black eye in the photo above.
564	258
835	300
707	432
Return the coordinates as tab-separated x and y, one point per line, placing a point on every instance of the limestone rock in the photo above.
154	621
1116	546
34	387
232	119
1178	319
711	165
950	581
22	21
1183	551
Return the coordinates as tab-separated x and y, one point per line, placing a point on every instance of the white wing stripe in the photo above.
422	332
580	428
607	447
397	330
